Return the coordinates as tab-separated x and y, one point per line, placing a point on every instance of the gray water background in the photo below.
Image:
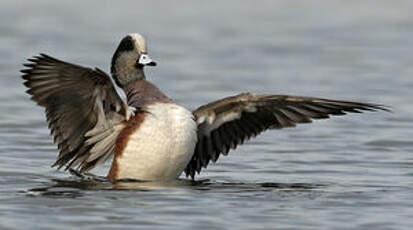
350	172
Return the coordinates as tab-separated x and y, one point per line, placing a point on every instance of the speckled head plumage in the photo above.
129	59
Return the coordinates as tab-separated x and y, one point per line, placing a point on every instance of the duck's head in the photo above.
129	59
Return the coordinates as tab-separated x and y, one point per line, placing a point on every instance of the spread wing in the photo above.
224	124
82	107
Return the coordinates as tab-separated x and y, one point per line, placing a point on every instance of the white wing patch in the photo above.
214	121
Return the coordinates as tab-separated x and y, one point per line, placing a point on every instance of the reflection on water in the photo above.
73	187
355	169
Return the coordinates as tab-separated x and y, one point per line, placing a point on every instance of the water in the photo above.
351	172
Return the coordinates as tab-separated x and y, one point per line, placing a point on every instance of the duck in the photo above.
94	116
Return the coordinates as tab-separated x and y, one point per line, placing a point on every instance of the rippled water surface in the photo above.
350	172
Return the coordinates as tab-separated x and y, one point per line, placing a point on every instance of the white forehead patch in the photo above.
139	42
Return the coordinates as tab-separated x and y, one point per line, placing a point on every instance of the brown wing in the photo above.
224	124
82	108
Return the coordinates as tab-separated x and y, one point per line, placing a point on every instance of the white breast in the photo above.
161	147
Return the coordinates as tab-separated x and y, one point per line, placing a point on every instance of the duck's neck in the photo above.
125	77
140	93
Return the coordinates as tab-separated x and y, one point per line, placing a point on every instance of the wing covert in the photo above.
83	109
226	123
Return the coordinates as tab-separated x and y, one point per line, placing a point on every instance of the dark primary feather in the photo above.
226	123
77	100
